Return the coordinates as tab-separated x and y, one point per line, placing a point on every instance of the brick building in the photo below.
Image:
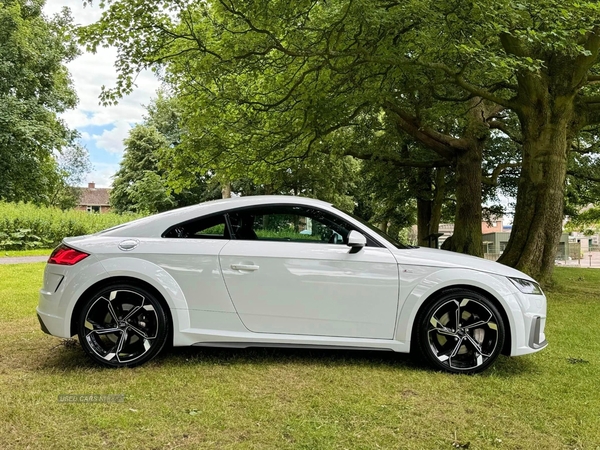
94	200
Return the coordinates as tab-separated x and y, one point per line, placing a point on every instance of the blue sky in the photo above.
102	128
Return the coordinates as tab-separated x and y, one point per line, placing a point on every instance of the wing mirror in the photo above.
356	241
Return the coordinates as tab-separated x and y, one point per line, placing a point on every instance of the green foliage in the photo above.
139	161
281	106
73	164
263	83
22	239
24	226
587	221
142	183
150	195
34	88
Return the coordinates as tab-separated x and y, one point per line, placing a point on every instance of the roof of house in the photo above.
94	197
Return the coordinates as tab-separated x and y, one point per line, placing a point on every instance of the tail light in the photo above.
66	256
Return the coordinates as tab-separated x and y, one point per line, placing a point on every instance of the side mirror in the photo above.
356	241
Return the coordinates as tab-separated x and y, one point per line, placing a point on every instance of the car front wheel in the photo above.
460	332
122	326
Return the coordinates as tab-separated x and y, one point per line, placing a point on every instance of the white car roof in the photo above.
156	225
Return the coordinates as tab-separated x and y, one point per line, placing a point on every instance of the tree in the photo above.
138	172
274	108
142	182
72	165
345	59
34	88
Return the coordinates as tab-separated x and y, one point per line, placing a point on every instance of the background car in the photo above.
282	271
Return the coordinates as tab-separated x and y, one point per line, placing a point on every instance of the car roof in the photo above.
157	224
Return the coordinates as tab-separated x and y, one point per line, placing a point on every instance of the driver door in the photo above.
289	271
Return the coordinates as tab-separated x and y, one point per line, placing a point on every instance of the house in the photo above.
495	236
93	199
589	242
495	225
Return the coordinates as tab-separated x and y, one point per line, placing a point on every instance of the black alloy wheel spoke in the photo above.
121	327
462	333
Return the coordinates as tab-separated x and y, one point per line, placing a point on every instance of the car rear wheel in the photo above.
460	332
122	326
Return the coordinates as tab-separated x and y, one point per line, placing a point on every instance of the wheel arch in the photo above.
136	282
432	297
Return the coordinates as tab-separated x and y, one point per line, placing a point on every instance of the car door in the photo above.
288	271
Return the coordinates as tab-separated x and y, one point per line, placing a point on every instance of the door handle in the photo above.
248	267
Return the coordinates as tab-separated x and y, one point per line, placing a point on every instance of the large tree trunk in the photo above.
551	111
539	212
467	236
423	221
429	205
467	222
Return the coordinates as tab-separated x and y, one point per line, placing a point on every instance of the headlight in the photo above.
526	286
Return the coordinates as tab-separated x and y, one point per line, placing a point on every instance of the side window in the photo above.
288	223
213	227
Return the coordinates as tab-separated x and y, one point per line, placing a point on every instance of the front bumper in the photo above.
530	335
537	338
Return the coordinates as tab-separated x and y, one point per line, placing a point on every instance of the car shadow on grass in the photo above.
70	356
503	367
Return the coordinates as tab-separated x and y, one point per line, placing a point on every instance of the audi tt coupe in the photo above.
282	271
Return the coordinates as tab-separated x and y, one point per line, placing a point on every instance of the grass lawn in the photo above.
34	252
280	399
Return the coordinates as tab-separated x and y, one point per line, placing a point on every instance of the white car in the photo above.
244	272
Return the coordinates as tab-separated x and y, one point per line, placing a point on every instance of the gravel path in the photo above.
23	259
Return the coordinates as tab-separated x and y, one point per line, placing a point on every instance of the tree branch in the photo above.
460	81
399	162
492	180
583	177
499	125
444	145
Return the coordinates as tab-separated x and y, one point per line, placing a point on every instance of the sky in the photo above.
102	128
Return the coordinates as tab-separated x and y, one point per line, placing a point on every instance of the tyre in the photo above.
122	326
460	332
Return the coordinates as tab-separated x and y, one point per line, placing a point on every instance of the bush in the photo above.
24	226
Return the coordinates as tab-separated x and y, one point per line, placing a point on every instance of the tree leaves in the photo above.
34	87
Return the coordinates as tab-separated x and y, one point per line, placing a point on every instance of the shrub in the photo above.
24	226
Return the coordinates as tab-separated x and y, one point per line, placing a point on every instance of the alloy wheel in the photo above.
464	333
122	327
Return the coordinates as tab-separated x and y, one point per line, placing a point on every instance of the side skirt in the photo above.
273	345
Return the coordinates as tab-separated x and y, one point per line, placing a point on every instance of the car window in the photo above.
288	223
379	232
212	227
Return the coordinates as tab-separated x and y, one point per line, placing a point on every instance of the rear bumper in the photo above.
51	324
43	325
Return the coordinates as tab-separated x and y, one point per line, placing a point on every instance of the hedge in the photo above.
24	226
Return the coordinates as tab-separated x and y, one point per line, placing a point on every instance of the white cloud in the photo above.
92	71
112	140
83	15
89	73
102	174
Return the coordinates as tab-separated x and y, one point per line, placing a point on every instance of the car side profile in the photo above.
282	271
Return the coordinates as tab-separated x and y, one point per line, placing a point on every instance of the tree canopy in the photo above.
35	87
264	82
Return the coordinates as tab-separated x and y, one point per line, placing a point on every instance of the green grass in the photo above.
291	399
34	252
